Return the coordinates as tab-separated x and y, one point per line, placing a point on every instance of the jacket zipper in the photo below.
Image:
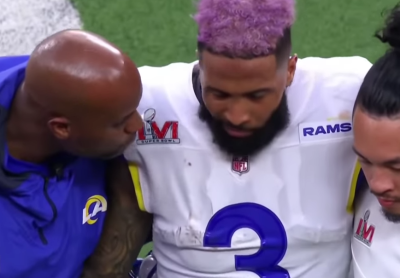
53	208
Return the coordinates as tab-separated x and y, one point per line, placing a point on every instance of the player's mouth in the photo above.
234	132
385	203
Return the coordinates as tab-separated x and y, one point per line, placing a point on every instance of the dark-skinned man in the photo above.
245	157
67	112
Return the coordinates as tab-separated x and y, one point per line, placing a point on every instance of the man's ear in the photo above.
60	127
291	69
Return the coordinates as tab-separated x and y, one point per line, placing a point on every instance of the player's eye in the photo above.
394	169
119	124
362	161
220	95
256	96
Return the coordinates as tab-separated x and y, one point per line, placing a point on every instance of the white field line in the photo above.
24	23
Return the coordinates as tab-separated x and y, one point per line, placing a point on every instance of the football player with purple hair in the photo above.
245	159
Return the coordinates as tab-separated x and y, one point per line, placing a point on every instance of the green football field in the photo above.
158	32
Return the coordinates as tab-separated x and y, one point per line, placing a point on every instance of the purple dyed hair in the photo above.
243	28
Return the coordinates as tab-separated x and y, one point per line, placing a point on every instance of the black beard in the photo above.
394	218
259	138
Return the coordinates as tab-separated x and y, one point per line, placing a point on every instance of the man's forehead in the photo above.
212	64
377	125
376	137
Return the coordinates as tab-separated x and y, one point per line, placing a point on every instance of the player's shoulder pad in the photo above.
158	83
339	76
337	64
330	85
352	69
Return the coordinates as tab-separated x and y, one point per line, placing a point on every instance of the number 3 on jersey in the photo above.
261	220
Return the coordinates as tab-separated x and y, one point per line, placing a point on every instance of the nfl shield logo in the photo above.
240	164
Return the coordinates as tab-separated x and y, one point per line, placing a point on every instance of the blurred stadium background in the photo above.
158	32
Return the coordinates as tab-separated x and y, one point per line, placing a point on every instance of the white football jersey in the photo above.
280	213
375	242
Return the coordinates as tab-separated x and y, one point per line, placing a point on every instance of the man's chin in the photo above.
115	154
246	142
109	156
391	216
120	151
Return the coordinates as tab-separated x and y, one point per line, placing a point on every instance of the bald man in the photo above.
67	112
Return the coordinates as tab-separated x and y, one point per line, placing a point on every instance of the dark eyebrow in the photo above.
359	154
389	162
261	90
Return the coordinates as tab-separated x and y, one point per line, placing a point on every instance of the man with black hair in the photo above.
376	120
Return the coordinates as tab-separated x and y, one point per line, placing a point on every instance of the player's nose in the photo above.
380	183
237	115
134	124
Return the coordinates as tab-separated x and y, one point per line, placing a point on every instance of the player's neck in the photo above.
27	138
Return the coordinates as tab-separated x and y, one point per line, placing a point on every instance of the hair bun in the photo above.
390	33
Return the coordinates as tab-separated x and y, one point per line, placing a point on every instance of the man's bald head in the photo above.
67	65
87	89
